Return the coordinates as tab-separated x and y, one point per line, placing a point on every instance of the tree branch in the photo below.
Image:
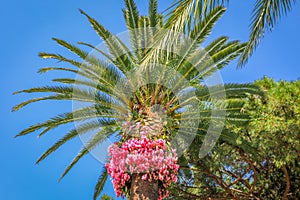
288	183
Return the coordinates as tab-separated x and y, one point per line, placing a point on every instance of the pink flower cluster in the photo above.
148	157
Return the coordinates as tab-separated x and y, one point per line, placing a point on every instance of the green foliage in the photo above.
276	120
106	197
269	169
100	185
275	131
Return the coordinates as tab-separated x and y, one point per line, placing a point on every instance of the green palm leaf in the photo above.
115	46
81	129
95	140
100	183
153	14
184	14
265	15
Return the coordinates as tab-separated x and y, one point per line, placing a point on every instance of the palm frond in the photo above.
95	140
52	97
133	14
105	54
115	46
79	82
215	45
77	115
74	93
179	16
94	62
238	91
47	69
89	84
265	15
227	53
132	18
86	70
145	35
80	129
100	183
100	72
82	54
184	14
198	35
230	90
153	15
64	92
226	136
203	29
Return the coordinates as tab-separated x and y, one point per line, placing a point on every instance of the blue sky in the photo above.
27	28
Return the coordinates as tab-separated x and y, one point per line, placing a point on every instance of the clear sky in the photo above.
27	28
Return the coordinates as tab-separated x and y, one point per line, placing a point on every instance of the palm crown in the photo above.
143	83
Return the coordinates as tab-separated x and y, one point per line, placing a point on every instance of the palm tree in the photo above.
137	83
265	15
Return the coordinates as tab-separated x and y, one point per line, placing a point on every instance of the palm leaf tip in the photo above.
15	108
18	92
45	55
42	70
18	106
81	11
84	13
29	130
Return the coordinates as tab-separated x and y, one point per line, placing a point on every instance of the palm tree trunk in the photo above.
143	189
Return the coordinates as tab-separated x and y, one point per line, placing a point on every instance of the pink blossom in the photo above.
149	157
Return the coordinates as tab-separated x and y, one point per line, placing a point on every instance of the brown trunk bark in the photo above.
143	190
288	184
